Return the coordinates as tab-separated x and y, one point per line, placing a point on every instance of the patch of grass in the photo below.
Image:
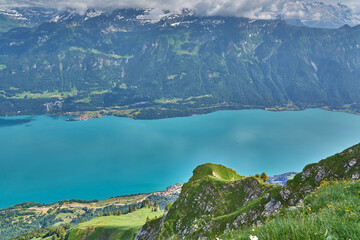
123	199
65	218
83	100
114	227
97	52
46	94
99	92
171	77
168	100
330	212
199	97
215	74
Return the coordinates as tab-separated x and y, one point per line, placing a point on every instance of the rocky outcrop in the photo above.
215	199
345	165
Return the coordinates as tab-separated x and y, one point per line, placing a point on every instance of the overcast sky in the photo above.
244	8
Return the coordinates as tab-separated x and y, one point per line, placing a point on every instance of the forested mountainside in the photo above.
32	219
127	64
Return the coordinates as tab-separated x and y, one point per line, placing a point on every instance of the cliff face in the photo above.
216	199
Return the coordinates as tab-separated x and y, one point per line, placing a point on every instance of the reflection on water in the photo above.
4	122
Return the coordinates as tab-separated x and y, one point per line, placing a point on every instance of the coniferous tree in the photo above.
264	177
168	206
157	208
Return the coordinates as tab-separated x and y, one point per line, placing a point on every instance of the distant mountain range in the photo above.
128	63
317	14
300	13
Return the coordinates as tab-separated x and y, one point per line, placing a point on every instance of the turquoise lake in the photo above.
46	159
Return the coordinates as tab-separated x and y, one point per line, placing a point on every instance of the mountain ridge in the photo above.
125	65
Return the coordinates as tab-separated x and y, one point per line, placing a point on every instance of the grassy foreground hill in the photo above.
330	212
217	200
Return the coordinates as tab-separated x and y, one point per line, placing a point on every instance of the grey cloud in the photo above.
258	9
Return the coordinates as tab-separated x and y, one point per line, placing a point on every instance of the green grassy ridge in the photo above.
330	212
215	170
113	227
333	167
215	195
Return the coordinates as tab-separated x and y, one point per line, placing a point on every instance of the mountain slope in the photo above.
126	64
330	212
209	205
32	218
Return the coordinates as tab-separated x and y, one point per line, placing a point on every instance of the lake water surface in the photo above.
46	159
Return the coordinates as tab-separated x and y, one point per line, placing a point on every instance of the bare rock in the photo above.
355	176
271	207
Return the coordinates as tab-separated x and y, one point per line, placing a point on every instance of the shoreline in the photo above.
121	200
87	115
